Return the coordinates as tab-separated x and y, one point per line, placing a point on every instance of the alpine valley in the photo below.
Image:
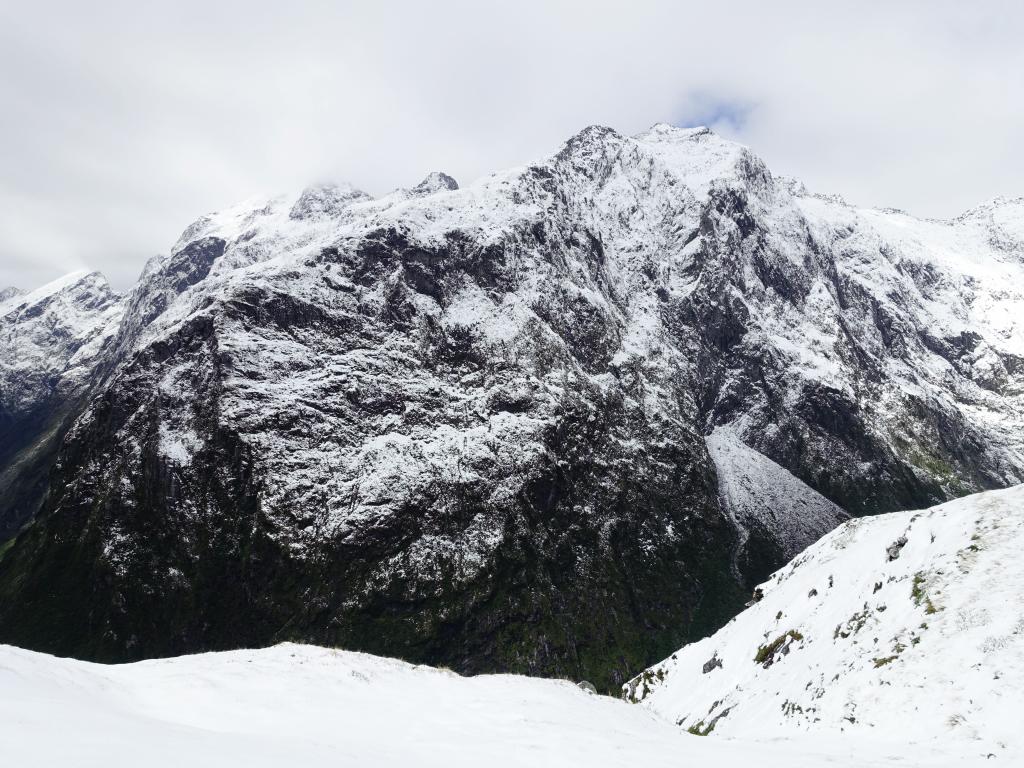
559	422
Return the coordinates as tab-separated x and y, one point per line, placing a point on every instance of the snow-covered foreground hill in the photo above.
904	626
295	705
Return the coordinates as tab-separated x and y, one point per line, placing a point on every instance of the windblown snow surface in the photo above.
906	626
294	705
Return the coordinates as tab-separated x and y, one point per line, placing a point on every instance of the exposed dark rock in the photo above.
712	664
892	552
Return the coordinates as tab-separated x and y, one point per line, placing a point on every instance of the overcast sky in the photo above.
122	122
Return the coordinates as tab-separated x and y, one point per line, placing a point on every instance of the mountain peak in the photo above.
989	207
435	181
9	293
597	131
1003	219
323	201
662	131
81	278
590	136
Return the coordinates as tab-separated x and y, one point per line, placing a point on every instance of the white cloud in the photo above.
124	122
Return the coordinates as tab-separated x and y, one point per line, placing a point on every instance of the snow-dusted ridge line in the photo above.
50	336
25	299
906	625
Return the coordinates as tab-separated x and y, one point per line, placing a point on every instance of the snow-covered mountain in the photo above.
558	421
306	706
905	626
51	341
9	293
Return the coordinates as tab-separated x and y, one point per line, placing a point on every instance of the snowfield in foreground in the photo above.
902	626
295	705
895	640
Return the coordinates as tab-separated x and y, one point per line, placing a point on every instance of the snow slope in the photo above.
770	507
907	625
294	705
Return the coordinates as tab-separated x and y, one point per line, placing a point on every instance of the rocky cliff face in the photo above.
467	426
